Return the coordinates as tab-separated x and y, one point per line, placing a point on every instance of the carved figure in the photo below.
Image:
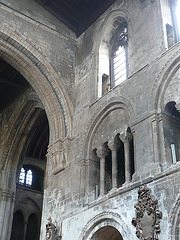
50	230
148	215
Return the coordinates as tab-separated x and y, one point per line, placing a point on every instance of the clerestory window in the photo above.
113	56
31	177
171	19
119	56
26	177
175	8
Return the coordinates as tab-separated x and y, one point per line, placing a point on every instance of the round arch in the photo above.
36	69
162	81
27	114
105	219
96	119
28	206
107	24
101	45
107	233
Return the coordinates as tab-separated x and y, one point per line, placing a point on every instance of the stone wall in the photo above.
68	195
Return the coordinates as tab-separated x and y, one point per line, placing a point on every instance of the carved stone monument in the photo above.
148	215
51	230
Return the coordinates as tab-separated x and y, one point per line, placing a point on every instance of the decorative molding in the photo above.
105	218
7	194
58	154
148	215
98	115
162	78
12	44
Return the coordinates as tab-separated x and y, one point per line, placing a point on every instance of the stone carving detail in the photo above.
51	230
148	215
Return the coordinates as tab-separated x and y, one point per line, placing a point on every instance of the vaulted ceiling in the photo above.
78	15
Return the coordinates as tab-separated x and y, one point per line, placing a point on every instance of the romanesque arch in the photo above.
35	68
102	44
105	219
109	106
165	126
162	82
102	129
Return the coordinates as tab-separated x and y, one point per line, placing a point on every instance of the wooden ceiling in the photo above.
78	15
37	147
12	84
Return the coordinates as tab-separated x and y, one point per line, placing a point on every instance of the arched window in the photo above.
26	176
113	55
171	20
175	8
22	176
119	55
29	177
32	177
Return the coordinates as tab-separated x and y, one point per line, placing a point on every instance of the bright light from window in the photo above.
22	176
178	14
26	177
29	177
120	70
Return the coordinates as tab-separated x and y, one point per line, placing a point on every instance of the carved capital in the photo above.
148	215
102	152
113	145
7	194
58	154
126	137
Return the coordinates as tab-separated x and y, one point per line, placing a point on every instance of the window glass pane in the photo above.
178	14
22	176
29	177
119	66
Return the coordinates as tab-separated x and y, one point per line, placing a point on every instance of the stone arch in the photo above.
35	68
108	21
105	219
28	206
102	43
103	110
175	220
25	116
162	81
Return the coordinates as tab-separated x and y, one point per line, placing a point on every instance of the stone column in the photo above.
25	228
113	146
126	138
7	198
102	154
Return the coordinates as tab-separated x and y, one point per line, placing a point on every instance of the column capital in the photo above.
102	152
7	194
113	145
126	137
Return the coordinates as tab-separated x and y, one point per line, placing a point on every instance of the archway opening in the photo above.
18	226
32	231
107	233
25	137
